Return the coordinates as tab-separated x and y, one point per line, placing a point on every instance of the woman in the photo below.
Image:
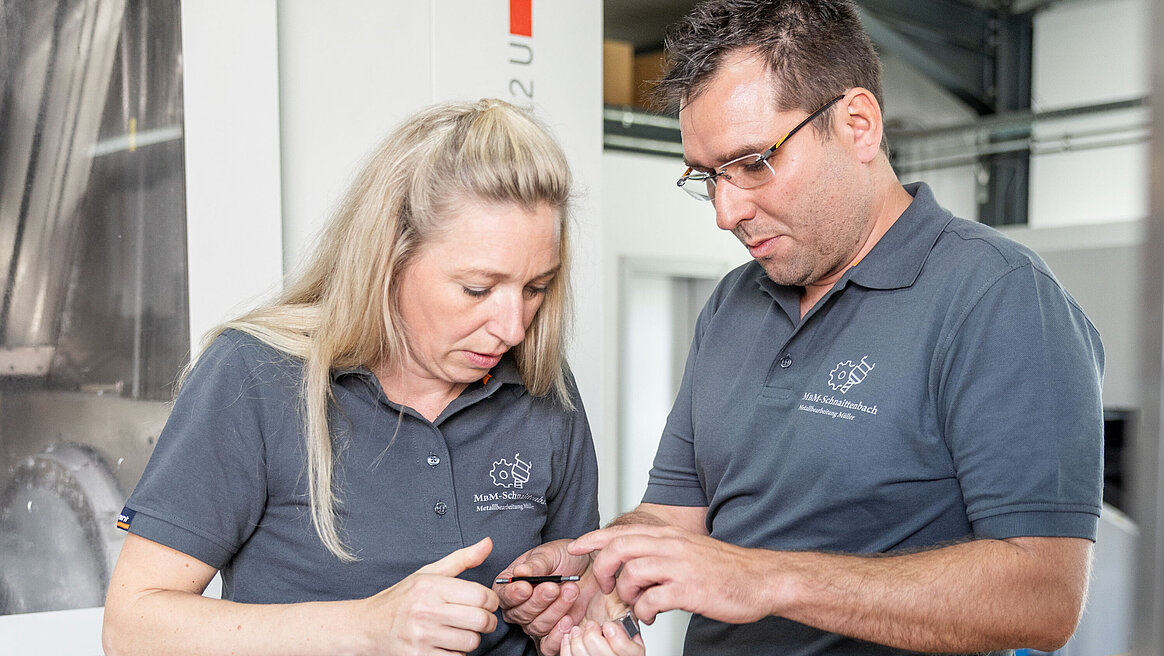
402	416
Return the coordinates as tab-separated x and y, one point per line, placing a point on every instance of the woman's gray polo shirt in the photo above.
946	388
226	482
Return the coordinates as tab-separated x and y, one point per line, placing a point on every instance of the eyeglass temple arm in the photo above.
768	153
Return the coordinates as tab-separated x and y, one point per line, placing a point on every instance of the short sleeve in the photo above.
1019	390
204	488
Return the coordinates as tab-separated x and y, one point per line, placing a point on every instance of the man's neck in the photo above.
887	208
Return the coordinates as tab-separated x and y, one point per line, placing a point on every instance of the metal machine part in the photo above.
58	531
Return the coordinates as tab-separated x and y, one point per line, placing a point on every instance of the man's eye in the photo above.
755	166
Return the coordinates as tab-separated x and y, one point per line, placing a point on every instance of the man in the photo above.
888	436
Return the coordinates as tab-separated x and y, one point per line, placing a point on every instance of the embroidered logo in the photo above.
846	374
510	474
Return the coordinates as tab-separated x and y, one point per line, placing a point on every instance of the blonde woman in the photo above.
360	458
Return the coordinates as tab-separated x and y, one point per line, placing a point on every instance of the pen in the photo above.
538	579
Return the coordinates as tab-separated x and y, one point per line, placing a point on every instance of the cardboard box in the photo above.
648	69
618	72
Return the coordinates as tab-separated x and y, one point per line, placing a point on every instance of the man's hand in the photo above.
548	611
658	568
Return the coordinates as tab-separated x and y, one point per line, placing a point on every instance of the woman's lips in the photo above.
484	360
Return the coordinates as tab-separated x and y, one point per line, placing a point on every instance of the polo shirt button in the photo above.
440	508
433	460
786	361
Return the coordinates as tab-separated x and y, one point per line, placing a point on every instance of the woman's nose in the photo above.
508	320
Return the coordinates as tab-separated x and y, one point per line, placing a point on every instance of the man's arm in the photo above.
972	596
688	518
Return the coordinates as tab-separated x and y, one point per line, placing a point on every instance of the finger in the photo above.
514	596
454	640
568	647
442	589
599	539
540	598
593	541
538	562
552	613
595	643
460	560
551	644
620	642
642	574
612	561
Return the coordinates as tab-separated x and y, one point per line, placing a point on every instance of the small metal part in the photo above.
629	625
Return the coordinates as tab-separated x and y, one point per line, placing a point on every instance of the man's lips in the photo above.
762	247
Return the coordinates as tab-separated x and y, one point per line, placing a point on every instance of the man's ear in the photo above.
862	124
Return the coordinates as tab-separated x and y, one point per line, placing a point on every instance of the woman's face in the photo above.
470	293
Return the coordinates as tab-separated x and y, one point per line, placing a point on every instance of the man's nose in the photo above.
732	205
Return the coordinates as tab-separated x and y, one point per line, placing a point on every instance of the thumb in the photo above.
460	560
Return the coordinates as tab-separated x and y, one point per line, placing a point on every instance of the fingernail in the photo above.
608	630
570	593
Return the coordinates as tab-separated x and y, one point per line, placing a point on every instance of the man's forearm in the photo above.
974	596
690	518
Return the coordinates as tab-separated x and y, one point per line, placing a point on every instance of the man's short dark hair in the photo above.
815	50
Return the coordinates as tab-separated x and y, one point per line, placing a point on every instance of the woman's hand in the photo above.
432	610
548	611
609	639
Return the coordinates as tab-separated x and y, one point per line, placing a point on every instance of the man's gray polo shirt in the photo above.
226	482
946	388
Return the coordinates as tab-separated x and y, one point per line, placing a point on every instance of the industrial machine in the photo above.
93	317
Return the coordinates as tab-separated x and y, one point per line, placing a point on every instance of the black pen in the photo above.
538	579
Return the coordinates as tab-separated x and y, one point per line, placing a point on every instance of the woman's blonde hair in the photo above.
343	311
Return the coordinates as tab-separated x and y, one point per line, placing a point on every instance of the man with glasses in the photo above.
888	436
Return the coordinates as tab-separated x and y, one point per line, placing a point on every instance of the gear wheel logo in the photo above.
846	374
508	474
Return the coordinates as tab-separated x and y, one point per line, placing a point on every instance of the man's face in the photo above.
809	222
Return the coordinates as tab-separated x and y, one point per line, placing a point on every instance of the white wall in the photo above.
351	70
231	124
1090	53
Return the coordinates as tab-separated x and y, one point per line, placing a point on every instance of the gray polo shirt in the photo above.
946	388
226	482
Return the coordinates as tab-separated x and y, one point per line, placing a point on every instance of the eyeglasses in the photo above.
745	172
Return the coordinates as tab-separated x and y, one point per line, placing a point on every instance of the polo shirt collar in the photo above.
897	259
504	372
894	262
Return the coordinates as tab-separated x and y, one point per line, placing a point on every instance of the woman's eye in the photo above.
475	293
535	291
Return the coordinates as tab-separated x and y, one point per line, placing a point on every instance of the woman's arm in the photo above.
155	605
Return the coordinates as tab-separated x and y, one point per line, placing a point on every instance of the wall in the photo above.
340	96
284	99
